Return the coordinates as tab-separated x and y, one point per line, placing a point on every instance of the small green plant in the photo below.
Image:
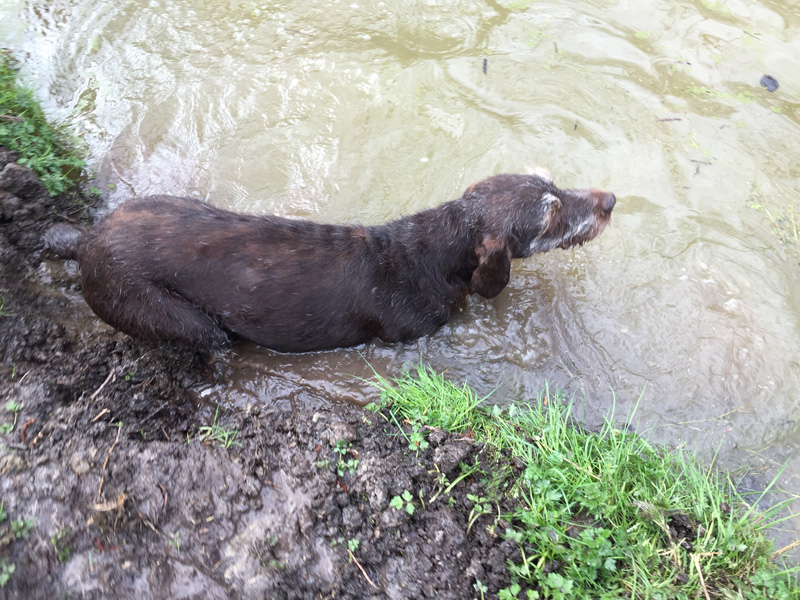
3	311
480	587
509	593
217	434
175	542
416	440
322	464
343	466
13	408
94	191
403	502
129	375
352	544
480	507
6	571
58	541
346	466
22	527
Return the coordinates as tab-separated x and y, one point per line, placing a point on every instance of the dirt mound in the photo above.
108	491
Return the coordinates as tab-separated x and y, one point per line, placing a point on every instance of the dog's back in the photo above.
176	269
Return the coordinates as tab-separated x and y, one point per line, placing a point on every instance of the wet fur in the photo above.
173	269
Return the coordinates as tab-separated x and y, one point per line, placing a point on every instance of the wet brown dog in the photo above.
173	269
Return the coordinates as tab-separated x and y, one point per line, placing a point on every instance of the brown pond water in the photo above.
354	111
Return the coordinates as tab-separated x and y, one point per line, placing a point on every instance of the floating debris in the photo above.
769	82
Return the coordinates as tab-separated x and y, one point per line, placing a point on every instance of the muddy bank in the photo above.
104	460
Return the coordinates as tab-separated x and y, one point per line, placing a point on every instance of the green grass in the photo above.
597	515
216	434
24	129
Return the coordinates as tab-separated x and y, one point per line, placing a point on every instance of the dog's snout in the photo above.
609	202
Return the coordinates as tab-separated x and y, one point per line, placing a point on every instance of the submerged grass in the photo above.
25	130
599	515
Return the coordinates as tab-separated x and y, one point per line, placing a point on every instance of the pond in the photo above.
347	111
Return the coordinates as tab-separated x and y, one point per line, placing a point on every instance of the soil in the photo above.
105	457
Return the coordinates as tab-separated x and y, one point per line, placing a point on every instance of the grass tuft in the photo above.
25	130
218	435
598	514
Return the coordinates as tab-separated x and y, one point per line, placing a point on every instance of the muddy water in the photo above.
353	111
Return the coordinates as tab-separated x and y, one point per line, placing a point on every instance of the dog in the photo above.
169	269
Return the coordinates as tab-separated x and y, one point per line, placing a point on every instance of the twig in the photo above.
722	416
12	118
105	463
696	561
102	385
100	414
363	572
791	546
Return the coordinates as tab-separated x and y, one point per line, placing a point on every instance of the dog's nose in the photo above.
609	202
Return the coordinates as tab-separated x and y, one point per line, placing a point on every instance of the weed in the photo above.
352	544
3	311
58	541
509	593
22	527
6	571
217	434
25	130
323	464
3	514
403	501
348	466
13	408
416	440
600	515
480	587
480	507
342	447
175	542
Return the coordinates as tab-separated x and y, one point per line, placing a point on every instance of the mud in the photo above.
106	458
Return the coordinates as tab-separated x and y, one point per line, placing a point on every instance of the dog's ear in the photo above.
494	268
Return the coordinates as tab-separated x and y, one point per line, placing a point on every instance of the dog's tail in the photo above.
63	239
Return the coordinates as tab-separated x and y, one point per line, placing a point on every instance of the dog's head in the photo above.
520	215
